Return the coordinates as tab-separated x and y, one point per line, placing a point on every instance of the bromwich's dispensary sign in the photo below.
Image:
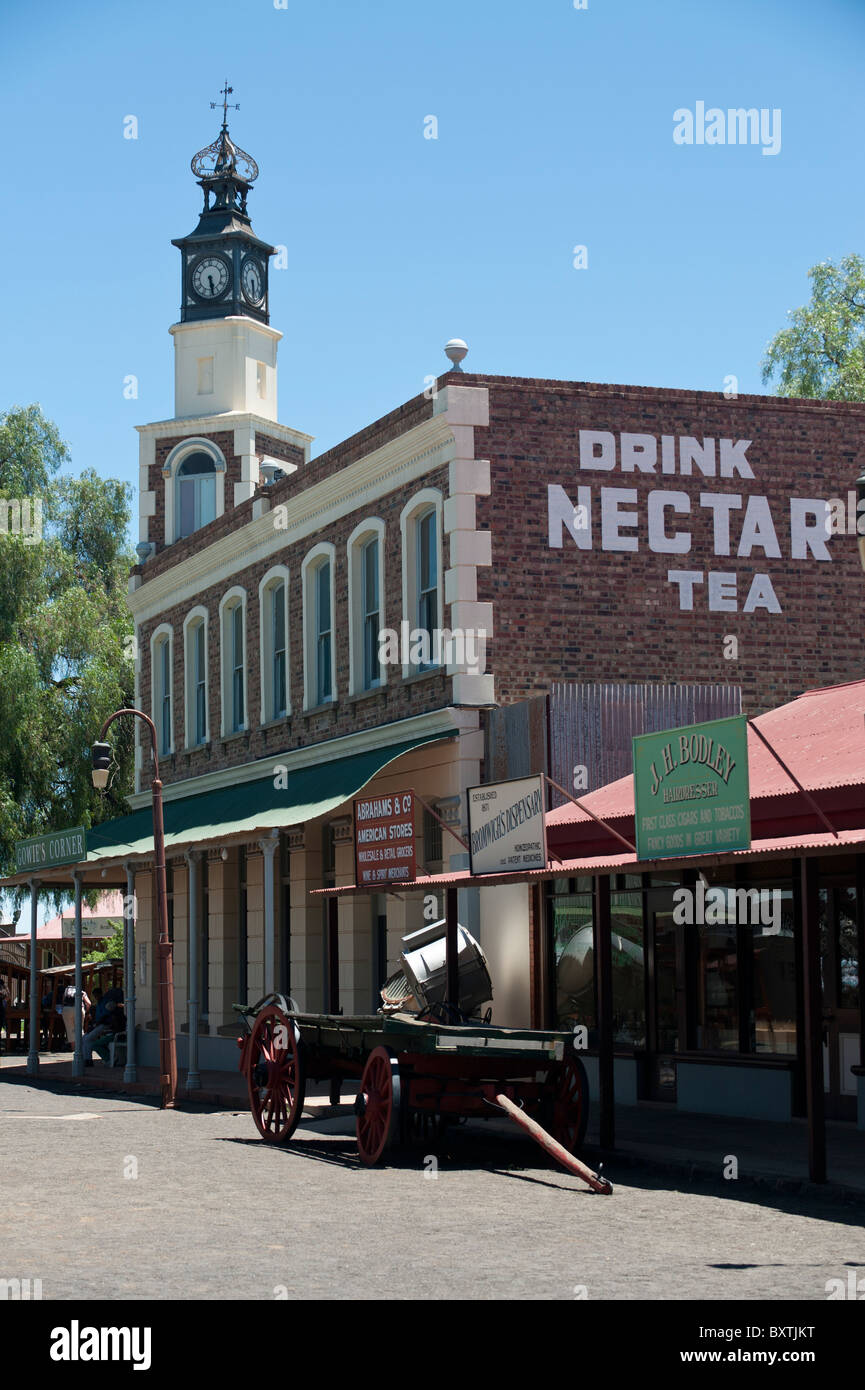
50	851
507	831
691	792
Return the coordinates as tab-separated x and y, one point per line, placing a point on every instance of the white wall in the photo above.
504	938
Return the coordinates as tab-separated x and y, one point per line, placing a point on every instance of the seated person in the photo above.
114	1021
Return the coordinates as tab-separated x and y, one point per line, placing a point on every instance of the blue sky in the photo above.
554	130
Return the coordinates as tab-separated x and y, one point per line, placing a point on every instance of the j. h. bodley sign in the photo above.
606	516
691	789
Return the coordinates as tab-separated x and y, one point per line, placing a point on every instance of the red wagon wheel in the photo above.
570	1104
377	1106
275	1077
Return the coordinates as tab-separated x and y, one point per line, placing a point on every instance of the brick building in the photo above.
289	614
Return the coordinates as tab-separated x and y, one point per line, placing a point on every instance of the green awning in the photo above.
248	806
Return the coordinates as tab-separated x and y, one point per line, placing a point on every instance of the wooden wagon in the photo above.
415	1077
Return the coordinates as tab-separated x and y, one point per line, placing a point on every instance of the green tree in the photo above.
66	648
822	352
112	946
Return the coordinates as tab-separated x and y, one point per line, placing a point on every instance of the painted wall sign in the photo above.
384	847
49	851
691	790
506	826
614	519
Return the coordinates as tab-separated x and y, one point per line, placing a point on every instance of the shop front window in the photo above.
573	951
848	950
717	1001
629	998
773	974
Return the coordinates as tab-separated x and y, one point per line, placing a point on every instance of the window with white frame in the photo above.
273	644
161	666
426	545
420	522
233	629
323	634
319	674
195	668
196	493
365	552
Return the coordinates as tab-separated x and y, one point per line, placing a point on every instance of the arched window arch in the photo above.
232	627
273	644
319	631
196	684
366	617
194	474
162	687
422	586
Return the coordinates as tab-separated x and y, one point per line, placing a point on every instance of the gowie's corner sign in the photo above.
691	792
50	851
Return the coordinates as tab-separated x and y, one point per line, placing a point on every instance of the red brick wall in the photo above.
612	616
396	701
372	437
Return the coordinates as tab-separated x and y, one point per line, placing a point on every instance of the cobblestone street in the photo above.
130	1202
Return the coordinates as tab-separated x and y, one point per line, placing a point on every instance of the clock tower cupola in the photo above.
224	270
224	347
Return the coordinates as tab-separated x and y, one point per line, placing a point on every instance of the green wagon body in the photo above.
415	1077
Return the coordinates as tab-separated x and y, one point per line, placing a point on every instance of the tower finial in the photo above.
235	105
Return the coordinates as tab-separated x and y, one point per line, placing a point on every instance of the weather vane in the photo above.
225	103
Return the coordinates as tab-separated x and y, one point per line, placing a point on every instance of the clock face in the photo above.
210	277
252	280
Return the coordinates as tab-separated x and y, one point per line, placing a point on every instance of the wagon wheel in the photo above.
570	1107
275	1077
377	1106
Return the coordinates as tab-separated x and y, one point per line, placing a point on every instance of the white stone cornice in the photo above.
347	490
230	420
444	721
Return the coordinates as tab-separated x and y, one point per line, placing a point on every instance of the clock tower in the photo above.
225	351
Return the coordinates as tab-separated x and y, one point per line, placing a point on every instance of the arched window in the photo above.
273	644
233	629
422	588
318	625
195	670
162	675
366	551
196	493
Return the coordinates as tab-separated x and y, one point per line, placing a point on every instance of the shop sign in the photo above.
507	833
691	793
49	851
384	845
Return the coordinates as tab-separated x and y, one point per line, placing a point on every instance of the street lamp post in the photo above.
101	752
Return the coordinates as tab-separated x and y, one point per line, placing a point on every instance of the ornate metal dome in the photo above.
224	159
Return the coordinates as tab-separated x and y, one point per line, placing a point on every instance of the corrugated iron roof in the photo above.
820	735
781	846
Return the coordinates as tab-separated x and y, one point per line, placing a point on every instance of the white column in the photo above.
78	1054
131	1071
35	999
268	850
193	861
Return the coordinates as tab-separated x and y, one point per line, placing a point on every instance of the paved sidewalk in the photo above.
221	1090
766	1152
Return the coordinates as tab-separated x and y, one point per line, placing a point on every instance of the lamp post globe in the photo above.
101	755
